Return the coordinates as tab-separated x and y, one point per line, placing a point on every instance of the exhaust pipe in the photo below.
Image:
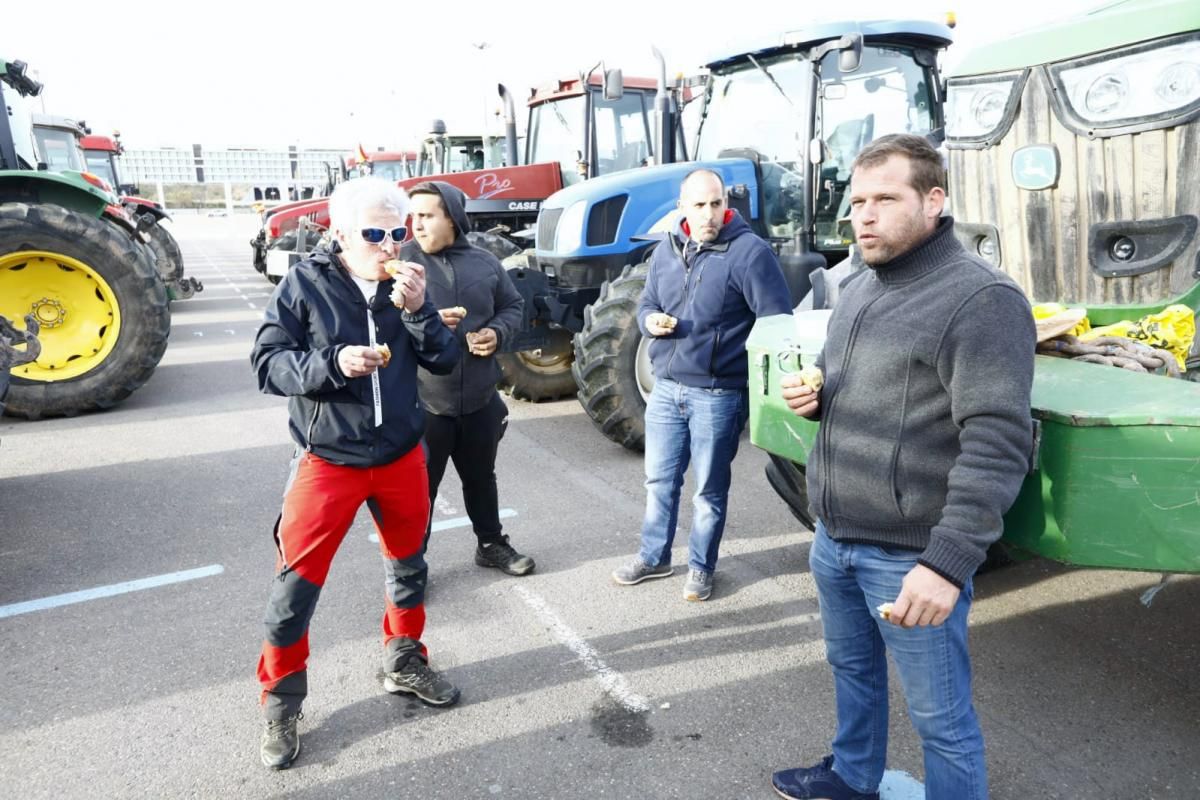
510	127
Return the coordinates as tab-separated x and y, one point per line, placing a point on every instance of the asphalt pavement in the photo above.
136	552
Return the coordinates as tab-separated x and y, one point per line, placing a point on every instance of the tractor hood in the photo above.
1112	25
604	215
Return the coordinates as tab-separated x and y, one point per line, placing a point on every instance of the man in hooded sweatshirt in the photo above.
464	415
708	283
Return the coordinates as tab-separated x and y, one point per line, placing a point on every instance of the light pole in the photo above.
481	47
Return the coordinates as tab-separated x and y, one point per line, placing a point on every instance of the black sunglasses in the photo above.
377	235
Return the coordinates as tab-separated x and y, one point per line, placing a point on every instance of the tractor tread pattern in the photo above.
606	356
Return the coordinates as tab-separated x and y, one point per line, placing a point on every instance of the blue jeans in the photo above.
701	426
933	664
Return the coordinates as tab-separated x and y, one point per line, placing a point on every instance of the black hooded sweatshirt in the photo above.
467	276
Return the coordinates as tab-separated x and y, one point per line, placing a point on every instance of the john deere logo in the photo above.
1036	167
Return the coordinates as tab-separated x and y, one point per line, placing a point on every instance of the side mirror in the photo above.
850	57
614	84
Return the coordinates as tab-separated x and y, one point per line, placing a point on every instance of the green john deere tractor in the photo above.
1073	156
73	258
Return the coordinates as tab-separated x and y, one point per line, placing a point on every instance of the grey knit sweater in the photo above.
926	432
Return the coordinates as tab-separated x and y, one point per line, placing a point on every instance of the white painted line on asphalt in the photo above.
613	682
69	598
443	507
897	785
457	522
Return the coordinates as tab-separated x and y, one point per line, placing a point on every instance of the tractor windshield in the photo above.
391	170
889	93
621	140
758	108
59	149
556	135
100	162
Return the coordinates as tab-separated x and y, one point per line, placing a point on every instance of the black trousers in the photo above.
471	442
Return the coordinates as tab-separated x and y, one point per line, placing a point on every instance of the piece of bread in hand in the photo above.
813	378
386	352
393	266
885	611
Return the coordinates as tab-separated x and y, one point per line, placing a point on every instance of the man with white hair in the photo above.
341	339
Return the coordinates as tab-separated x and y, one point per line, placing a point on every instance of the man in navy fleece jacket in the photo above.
708	282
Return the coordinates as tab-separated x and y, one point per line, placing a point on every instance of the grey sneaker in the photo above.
280	742
418	678
698	586
637	571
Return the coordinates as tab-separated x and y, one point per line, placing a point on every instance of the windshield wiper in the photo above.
771	78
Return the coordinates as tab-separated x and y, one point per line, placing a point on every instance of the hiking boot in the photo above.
637	571
280	742
501	556
819	782
698	586
418	678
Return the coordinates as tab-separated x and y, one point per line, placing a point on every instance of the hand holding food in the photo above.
357	361
452	316
409	291
801	397
482	342
660	324
813	378
386	352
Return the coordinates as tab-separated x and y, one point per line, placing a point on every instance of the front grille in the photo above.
546	228
604	219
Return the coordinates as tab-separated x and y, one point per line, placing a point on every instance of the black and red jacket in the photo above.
316	311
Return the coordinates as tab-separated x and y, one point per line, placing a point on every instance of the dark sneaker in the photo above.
280	742
501	556
418	678
637	571
819	782
698	586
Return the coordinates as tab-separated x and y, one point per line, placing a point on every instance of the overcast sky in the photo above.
237	74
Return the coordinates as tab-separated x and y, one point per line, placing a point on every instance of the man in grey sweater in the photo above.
925	439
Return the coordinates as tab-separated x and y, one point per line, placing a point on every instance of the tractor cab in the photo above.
801	111
591	125
58	145
100	153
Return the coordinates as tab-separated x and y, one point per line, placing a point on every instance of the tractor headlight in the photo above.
1140	84
977	108
569	235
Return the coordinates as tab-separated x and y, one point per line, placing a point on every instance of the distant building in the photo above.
236	165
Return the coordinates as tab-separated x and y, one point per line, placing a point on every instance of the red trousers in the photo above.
319	506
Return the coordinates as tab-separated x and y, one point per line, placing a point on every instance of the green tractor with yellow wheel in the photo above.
73	258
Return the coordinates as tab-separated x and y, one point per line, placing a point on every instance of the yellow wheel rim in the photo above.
76	308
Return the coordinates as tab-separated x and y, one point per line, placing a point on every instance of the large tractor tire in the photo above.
612	365
788	480
537	375
495	244
102	309
167	255
288	241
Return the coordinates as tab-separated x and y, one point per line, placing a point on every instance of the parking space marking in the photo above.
54	601
215	266
613	682
457	522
